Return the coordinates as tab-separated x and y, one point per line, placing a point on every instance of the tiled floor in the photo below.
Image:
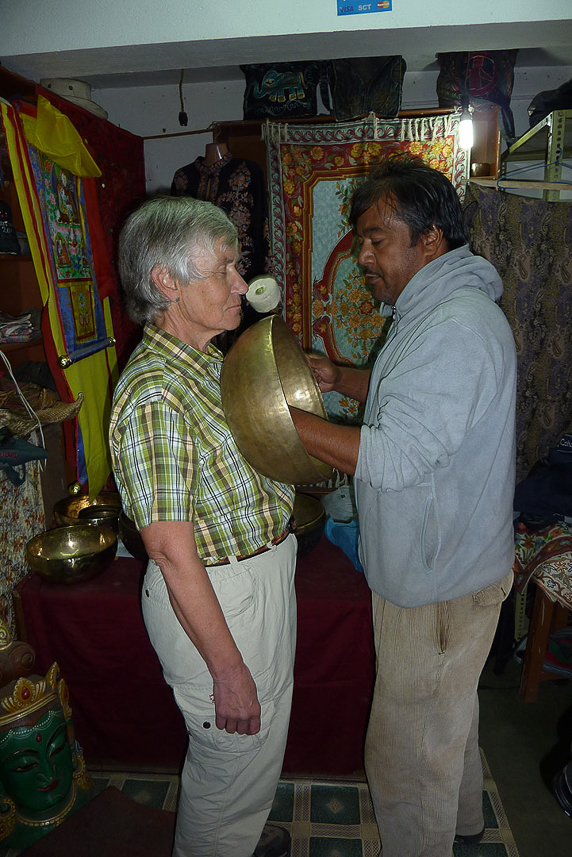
325	818
329	819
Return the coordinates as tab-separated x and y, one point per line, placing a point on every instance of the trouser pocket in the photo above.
496	593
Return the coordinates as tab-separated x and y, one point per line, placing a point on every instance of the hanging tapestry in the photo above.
62	205
121	188
529	241
313	171
53	184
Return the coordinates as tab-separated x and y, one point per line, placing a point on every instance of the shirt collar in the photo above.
174	349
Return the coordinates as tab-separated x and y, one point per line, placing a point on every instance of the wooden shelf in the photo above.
15	257
22	352
502	183
16	346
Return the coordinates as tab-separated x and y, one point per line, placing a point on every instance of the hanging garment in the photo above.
237	186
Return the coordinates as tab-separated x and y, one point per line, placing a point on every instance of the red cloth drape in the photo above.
124	712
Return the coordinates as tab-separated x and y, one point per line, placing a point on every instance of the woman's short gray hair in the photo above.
170	232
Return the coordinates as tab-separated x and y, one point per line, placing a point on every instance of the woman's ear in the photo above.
165	282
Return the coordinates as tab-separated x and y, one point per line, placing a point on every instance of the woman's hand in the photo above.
172	545
236	703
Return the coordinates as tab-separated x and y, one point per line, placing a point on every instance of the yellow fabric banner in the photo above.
95	375
53	133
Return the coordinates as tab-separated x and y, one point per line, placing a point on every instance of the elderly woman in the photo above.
218	595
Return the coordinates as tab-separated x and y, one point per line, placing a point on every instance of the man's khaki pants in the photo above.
228	781
422	754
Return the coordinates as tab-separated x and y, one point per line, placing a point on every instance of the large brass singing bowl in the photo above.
71	554
264	372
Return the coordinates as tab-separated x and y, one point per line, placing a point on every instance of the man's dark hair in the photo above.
420	196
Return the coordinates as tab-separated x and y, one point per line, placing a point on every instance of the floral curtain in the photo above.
22	518
529	241
313	171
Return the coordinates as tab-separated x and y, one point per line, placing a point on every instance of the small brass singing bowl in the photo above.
71	554
100	516
310	517
263	374
66	511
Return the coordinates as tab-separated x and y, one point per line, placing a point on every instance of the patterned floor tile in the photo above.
334	847
335	805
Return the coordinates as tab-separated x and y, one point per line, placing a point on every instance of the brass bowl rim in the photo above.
302	501
63	515
102	509
75	530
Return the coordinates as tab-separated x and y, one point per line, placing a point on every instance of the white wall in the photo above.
150	111
63	25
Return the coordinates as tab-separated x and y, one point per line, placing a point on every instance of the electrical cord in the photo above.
557	163
31	412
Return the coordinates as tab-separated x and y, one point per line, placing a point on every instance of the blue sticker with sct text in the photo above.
363	8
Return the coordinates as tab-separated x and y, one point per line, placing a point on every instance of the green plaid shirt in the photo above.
175	459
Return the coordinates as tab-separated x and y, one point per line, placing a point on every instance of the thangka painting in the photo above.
54	178
65	223
313	171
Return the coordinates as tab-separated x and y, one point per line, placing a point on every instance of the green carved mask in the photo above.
36	766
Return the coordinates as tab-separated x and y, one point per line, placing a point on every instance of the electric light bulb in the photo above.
466	130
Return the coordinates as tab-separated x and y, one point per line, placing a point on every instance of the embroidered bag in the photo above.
281	90
485	77
362	85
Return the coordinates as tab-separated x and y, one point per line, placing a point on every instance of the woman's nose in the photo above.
239	285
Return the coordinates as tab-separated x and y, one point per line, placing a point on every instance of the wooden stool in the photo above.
548	615
545	556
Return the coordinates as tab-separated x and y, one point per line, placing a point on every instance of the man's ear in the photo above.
165	282
434	243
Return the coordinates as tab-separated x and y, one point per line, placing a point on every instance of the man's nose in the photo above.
364	254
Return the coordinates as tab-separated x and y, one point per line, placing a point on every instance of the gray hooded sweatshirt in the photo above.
435	474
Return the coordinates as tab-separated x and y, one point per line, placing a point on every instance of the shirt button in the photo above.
206	725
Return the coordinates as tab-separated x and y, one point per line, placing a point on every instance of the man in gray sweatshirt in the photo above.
434	470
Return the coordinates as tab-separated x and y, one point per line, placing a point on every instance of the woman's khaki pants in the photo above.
228	781
422	755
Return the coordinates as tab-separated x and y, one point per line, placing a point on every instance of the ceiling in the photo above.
541	44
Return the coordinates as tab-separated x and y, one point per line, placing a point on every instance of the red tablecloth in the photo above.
124	712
